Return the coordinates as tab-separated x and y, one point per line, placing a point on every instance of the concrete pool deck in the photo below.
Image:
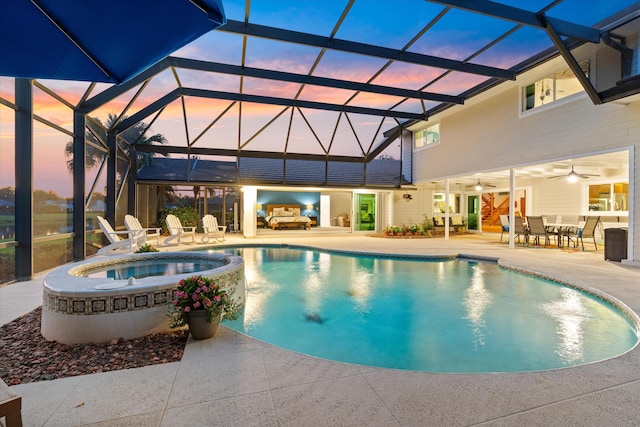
233	380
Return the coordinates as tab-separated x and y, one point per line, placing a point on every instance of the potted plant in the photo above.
200	303
427	226
414	229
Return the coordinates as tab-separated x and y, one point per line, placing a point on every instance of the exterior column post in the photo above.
112	162
79	203
24	179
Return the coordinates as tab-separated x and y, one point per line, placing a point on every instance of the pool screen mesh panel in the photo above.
98	42
319	82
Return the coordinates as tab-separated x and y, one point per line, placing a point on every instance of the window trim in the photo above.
556	102
426	145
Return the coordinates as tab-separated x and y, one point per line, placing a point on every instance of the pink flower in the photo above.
187	309
196	304
207	302
181	282
216	298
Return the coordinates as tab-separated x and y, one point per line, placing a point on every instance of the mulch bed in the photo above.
27	357
434	234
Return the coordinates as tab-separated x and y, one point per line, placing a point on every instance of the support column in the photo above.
447	215
250	196
112	162
24	179
132	205
512	208
79	190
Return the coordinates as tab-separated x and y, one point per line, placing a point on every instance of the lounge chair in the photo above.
588	230
176	230
138	233
10	406
538	229
211	228
116	245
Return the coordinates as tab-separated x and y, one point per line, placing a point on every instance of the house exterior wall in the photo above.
408	212
490	133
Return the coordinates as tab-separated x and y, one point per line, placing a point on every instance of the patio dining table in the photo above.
563	230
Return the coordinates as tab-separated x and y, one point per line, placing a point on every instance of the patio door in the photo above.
473	212
365	212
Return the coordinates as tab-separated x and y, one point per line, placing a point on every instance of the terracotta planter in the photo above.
199	328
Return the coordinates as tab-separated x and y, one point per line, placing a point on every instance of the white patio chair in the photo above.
139	233
117	245
211	228
176	230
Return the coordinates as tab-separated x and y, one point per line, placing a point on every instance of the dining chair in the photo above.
538	229
588	230
504	223
520	229
570	226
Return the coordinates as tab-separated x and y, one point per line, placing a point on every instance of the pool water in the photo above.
153	267
438	316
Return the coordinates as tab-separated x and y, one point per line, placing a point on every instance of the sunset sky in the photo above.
457	35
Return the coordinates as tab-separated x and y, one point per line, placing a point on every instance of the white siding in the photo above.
412	211
490	133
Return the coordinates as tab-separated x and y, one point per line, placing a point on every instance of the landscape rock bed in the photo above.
27	357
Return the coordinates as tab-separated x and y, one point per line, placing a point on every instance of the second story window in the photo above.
552	88
424	137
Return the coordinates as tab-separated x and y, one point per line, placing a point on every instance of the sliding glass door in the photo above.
365	212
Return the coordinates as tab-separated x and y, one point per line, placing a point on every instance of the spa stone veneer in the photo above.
78	309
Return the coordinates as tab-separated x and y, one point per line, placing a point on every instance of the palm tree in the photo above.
134	135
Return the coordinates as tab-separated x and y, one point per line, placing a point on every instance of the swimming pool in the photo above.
442	315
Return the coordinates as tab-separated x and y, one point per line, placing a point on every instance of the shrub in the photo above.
188	216
146	248
427	224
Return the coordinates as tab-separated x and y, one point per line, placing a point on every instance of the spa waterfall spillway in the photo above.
80	308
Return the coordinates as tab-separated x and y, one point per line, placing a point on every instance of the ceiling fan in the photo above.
573	176
478	186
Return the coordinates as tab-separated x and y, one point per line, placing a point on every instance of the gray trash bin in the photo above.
615	244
